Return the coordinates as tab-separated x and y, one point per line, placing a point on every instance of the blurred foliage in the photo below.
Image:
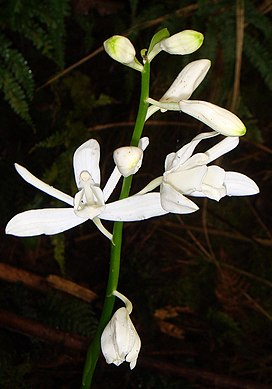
201	285
25	24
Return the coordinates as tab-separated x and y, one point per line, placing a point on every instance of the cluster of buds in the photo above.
122	50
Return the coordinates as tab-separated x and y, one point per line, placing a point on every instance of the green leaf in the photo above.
157	38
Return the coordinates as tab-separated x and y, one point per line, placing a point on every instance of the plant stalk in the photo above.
94	348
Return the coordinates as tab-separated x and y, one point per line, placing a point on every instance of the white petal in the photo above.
31	179
108	345
212	185
196	160
221	148
187	81
151	110
143	143
86	157
101	228
111	183
219	119
137	207
214	176
238	184
43	221
169	162
186	181
174	202
133	355
151	186
183	154
123	332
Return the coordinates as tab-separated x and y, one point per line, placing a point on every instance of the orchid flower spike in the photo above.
184	42
120	341
88	203
122	50
177	99
187	174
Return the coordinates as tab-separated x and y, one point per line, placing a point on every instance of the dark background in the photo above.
201	283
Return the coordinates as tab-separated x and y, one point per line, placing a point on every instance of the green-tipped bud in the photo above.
184	42
122	50
219	119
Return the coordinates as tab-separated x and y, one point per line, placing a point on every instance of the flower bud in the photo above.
184	42
122	50
187	81
120	341
219	119
128	160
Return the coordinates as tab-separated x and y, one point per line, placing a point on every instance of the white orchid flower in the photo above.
88	203
187	174
177	99
120	341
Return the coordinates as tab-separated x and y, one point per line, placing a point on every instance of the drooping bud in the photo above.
120	341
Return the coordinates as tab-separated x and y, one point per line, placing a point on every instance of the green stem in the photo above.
94	348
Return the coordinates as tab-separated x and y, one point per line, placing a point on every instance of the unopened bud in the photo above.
184	42
122	50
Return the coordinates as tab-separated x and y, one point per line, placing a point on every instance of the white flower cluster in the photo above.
185	173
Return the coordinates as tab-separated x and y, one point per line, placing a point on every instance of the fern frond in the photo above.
14	94
69	315
254	18
260	57
41	23
14	61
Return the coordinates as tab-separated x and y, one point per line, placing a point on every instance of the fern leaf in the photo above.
260	58
14	94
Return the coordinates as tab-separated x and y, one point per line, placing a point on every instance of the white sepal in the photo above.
218	118
134	208
50	190
238	184
43	221
111	183
174	202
